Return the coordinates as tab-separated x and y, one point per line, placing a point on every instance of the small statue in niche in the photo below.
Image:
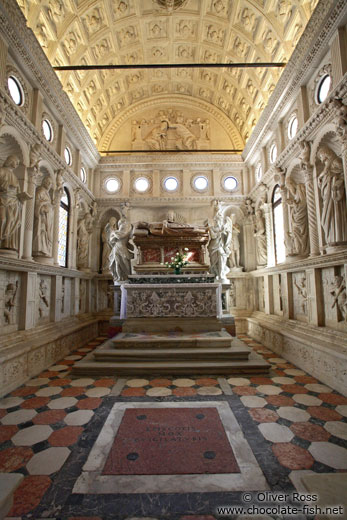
106	248
219	246
249	206
332	189
260	236
339	294
302	291
234	258
11	200
296	199
43	297
84	230
43	222
10	296
121	250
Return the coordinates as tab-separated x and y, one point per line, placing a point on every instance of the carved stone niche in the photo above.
300	296
335	297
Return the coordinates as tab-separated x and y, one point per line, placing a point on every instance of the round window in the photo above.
171	184
68	156
112	185
16	90
200	183
293	126
83	174
230	183
47	130
258	172
141	184
323	88
273	153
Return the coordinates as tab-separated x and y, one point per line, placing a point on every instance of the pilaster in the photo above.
56	297
268	290
267	207
338	48
3	61
156	183
27	316
315	304
37	109
288	302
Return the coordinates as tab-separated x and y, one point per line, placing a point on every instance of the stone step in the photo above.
187	367
178	354
127	340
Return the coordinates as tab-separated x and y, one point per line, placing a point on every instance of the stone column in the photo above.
267	208
310	198
29	214
283	191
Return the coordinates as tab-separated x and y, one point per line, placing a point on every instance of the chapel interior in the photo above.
173	259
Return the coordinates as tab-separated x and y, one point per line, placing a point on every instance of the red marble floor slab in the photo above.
170	441
29	494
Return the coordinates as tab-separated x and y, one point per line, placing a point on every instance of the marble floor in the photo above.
57	430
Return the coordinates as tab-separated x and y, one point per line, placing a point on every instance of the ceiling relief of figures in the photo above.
88	32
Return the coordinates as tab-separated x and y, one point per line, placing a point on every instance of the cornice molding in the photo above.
316	262
140	200
318	33
33	60
181	161
16	264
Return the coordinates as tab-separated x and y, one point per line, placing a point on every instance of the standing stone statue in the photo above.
219	246
235	245
296	200
106	248
260	237
332	189
84	230
11	200
121	250
339	294
43	220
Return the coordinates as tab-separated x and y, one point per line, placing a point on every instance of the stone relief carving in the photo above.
340	110
11	200
339	294
298	236
10	298
332	190
170	5
170	130
302	293
56	10
145	302
43	298
248	20
260	237
121	250
43	219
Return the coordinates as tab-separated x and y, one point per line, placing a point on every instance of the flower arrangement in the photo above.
179	260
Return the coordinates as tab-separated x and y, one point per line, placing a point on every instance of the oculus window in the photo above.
200	183
323	88
230	183
16	90
171	184
112	185
68	156
47	130
141	184
293	126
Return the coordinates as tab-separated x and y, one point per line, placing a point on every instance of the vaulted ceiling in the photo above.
88	32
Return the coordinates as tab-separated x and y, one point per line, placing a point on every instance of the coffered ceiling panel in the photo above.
88	32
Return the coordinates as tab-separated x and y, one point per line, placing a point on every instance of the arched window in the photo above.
277	208
64	217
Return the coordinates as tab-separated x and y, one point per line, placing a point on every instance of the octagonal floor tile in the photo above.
133	392
244	390
29	494
337	428
280	400
253	401
32	435
293	414
79	417
283	380
329	454
184	391
294	372
14	458
39	381
57	368
35	402
269	389
49	417
333	398
18	417
7	431
62	402
263	415
98	392
10	402
183	382
90	403
323	413
65	436
209	390
274	432
307	400
342	409
48	391
82	381
310	432
137	383
159	391
47	461
238	381
292	456
318	388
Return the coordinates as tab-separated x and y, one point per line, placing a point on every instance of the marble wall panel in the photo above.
300	299
10	297
169	253
151	255
82	295
36	361
261	293
43	299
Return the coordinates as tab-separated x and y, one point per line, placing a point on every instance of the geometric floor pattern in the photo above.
48	426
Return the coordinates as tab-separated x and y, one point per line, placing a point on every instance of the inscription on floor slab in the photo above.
170	442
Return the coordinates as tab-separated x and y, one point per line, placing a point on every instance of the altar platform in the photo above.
172	325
